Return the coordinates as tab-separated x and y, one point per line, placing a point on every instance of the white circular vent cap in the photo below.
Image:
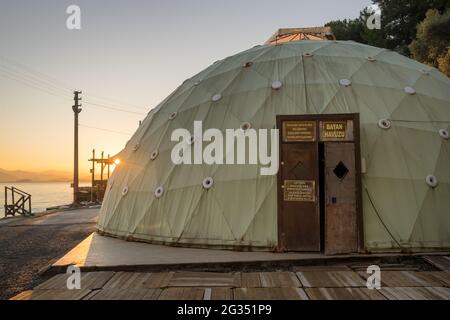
384	124
173	115
124	191
410	90
371	59
432	181
159	192
308	54
154	155
277	85
245	126
208	183
216	97
444	134
345	82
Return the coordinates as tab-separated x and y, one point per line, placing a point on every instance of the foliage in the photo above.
432	44
399	19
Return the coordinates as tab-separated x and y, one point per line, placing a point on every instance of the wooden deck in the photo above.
303	283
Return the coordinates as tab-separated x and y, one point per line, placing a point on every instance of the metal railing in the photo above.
20	202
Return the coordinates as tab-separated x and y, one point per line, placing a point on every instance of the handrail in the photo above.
17	205
18	191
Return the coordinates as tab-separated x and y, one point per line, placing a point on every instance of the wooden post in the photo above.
92	175
109	164
76	110
6	200
101	167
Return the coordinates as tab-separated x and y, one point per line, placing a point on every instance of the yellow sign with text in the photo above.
333	131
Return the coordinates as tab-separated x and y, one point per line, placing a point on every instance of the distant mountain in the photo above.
45	176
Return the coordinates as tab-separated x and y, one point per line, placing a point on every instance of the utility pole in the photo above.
76	110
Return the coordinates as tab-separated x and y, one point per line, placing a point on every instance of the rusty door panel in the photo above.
300	219
340	199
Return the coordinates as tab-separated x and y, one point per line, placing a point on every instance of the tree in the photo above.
347	29
432	43
399	19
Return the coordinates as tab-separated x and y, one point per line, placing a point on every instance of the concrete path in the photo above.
29	244
98	252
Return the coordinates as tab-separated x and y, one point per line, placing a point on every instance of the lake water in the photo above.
43	195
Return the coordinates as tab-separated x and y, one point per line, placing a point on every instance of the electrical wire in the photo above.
113	108
40	81
103	129
381	220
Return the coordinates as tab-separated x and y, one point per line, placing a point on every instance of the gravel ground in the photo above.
29	245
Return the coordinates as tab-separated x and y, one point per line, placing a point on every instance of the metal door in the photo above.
299	219
341	234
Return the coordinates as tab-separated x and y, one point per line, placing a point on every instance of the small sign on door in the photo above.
336	130
300	190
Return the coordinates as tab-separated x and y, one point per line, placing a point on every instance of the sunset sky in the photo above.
128	55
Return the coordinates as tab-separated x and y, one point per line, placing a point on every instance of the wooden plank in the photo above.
442	276
269	294
440	262
184	293
205	279
218	294
89	280
126	294
416	293
25	295
127	280
407	279
330	279
158	280
443	293
322	268
52	294
279	279
250	280
343	294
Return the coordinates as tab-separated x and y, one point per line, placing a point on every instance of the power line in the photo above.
106	130
113	108
115	102
35	87
40	81
48	82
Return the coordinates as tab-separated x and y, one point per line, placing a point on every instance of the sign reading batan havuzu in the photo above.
299	131
299	190
341	130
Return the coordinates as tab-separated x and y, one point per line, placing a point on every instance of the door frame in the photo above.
321	117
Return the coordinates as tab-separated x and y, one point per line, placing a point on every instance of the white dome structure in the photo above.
404	118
